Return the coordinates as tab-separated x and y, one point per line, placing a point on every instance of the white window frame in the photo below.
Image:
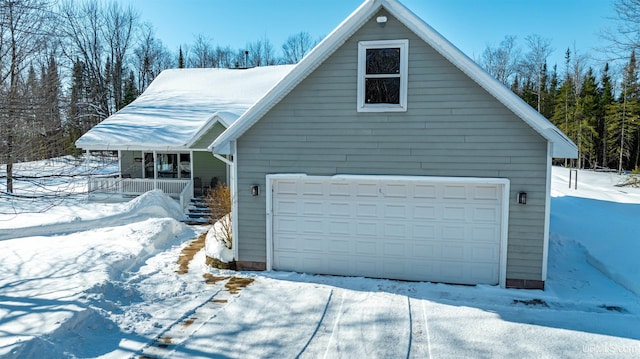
363	46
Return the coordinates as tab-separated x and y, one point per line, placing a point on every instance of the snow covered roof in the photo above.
180	105
562	146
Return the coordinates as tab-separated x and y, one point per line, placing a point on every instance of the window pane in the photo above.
383	61
382	90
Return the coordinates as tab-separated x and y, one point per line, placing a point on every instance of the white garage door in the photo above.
414	228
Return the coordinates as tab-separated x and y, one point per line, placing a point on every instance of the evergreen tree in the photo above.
586	113
77	110
130	91
180	59
623	118
606	102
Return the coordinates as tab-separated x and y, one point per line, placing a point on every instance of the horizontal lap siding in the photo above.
452	128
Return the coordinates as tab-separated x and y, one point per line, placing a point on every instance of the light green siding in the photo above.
452	128
207	167
207	138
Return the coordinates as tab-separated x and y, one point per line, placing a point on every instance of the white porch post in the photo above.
120	171
155	169
87	158
191	163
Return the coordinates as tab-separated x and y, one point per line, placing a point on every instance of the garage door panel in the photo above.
486	234
395	230
395	211
454	192
402	230
338	209
369	210
396	248
489	193
366	229
454	213
286	243
396	190
367	247
425	191
485	214
339	228
421	211
367	190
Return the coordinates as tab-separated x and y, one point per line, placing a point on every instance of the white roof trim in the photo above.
221	117
563	147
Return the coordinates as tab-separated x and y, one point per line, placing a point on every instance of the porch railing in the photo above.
179	189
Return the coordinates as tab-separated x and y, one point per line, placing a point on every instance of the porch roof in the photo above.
180	105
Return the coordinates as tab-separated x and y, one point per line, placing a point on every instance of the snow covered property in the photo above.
162	136
385	152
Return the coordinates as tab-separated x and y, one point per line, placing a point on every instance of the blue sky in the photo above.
471	25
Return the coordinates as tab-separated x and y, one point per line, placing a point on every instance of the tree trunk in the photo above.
10	164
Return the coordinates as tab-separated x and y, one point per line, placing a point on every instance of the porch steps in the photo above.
198	211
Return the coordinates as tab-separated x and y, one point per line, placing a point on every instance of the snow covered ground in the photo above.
84	279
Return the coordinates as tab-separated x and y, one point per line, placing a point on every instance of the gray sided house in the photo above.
386	152
162	137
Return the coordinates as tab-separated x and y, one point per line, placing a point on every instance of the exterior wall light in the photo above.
381	20
522	197
255	190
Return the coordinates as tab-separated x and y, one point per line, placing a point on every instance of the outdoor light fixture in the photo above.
381	20
522	197
255	190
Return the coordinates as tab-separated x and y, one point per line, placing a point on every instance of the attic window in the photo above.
382	75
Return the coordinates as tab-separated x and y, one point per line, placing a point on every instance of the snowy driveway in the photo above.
113	291
288	315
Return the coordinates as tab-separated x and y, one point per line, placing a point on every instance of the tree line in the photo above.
65	65
595	103
599	109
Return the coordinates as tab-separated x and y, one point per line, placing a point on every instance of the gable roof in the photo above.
180	105
562	146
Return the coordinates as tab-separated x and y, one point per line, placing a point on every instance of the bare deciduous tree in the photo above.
625	36
120	27
535	62
201	53
502	61
296	47
151	57
23	30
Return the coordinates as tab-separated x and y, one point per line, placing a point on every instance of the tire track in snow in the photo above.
362	324
335	326
420	339
326	307
170	339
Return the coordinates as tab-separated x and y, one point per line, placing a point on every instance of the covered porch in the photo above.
182	175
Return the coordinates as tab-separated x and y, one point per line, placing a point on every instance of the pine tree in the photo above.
130	91
623	118
76	112
180	59
586	113
606	101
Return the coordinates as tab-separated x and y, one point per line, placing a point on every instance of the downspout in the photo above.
234	195
547	212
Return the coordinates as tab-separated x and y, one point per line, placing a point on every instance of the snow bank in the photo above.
602	218
85	335
215	244
153	204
